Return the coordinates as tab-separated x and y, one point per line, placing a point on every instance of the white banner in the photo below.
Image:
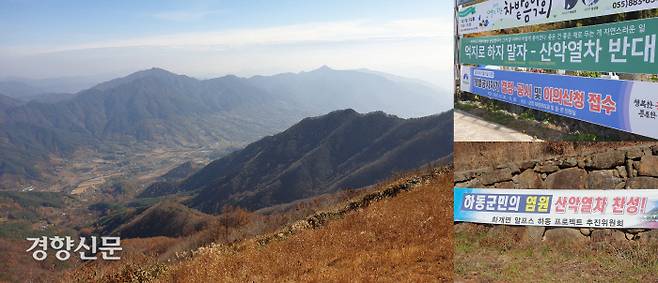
564	208
502	14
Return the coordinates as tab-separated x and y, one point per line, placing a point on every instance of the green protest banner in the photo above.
501	14
625	47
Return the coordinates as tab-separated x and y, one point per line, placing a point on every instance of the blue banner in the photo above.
629	106
565	208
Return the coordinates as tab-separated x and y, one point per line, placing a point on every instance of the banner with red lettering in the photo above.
564	208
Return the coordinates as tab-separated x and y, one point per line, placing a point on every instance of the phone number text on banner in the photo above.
629	106
626	47
565	208
502	14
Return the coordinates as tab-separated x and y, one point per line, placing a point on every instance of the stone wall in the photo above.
634	167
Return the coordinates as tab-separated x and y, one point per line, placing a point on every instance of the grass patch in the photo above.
496	254
581	137
464	106
494	114
527	115
500	117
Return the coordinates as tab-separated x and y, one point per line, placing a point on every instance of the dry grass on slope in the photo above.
405	238
484	254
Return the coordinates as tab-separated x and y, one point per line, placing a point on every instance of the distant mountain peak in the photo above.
157	73
344	113
380	113
348	111
152	72
351	113
230	77
323	68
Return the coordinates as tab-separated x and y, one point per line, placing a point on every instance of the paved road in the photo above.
469	128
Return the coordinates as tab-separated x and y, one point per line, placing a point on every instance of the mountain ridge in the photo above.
340	150
156	107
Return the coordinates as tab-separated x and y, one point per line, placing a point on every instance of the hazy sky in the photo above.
45	39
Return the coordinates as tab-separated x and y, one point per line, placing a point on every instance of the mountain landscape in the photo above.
166	159
343	149
19	90
318	156
397	229
7	102
157	110
27	89
310	141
